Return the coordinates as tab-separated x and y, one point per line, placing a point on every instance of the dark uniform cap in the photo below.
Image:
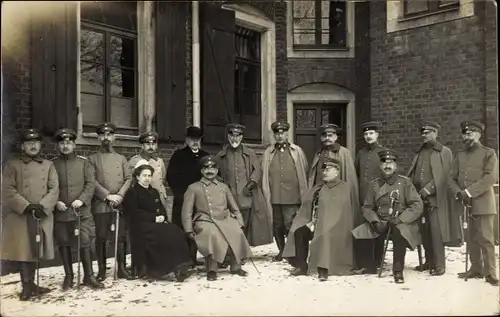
429	125
31	135
106	127
147	137
472	126
194	132
65	133
235	128
329	127
387	155
280	126
208	160
330	161
370	125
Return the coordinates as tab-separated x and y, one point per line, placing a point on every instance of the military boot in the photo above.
121	261
25	281
65	253
279	236
36	289
88	272
100	250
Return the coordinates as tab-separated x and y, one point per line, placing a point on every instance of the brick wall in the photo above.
434	72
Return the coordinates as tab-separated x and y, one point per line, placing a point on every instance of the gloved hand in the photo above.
31	207
377	226
190	235
247	190
463	197
38	213
395	220
423	193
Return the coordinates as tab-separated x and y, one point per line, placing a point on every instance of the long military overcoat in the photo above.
27	181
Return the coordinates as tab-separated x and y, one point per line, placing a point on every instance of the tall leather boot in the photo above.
36	288
88	272
121	261
100	250
65	253
24	271
279	236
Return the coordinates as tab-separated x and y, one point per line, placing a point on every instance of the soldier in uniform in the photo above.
182	171
439	225
112	182
241	171
76	189
367	164
30	192
284	182
473	174
403	219
211	218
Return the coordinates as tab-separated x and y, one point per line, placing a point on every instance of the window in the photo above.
108	65
415	8
319	24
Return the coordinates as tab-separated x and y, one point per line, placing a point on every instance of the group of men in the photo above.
331	218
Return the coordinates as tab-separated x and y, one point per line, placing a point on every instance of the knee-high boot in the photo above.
121	261
36	288
100	250
279	236
24	271
88	272
65	253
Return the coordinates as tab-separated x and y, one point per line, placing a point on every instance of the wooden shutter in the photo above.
54	66
170	55
217	71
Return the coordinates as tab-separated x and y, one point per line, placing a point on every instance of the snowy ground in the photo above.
273	292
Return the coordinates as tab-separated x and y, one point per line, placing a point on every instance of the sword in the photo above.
78	243
386	244
115	227
38	239
465	227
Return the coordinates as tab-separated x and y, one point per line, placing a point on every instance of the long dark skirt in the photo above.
159	247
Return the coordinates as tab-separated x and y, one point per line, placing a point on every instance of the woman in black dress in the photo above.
159	248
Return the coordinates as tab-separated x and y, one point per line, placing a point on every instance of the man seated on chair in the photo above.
217	223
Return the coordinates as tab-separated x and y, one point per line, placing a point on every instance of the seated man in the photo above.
217	221
402	218
326	218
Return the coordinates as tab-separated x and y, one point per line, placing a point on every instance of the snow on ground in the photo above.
273	292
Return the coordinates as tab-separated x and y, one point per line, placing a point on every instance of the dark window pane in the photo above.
91	78
237	88
251	102
122	52
92	108
122	112
91	46
332	116
251	77
333	22
122	82
306	119
415	6
119	14
247	44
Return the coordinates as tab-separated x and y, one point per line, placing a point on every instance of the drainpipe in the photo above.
195	29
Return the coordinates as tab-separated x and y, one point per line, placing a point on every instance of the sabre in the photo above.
38	239
386	243
78	243
465	228
115	227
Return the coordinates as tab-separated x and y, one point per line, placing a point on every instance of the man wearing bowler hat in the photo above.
112	182
182	171
30	192
473	174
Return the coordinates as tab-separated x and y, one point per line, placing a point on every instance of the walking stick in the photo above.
38	239
465	226
78	243
386	244
115	227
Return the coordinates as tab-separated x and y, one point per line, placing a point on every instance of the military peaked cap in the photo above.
147	137
280	126
194	132
430	125
208	160
329	127
235	128
106	127
472	126
387	155
370	125
31	135
65	133
330	161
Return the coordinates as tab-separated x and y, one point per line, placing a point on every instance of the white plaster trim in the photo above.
324	93
321	53
253	19
396	22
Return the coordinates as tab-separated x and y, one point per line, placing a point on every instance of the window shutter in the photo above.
171	66
217	71
54	67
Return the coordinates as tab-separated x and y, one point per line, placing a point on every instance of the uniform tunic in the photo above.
237	177
158	178
423	172
284	183
367	166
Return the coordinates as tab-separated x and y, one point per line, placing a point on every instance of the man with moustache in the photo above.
403	220
112	182
367	164
76	188
212	220
440	224
30	192
284	182
241	171
182	171
473	174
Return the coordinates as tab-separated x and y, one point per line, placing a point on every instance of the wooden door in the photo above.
308	117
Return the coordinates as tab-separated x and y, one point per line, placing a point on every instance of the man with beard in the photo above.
211	219
402	220
473	174
241	171
76	188
30	192
325	219
182	171
112	182
367	164
439	225
284	182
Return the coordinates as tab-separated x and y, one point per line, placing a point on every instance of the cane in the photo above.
464	226
115	227
386	244
78	244
38	239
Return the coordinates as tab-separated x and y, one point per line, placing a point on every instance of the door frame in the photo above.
324	93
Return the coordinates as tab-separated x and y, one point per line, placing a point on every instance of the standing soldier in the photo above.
30	192
76	188
473	174
367	164
284	182
182	171
241	171
401	218
439	225
112	182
